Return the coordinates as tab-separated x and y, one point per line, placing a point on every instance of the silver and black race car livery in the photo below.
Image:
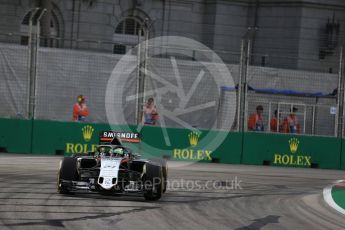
112	169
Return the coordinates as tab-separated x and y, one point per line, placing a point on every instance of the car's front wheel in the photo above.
153	182
66	174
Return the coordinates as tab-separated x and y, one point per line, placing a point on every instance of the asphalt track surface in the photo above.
264	198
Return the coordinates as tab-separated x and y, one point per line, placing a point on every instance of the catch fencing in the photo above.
186	81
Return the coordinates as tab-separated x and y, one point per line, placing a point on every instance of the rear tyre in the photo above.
153	182
67	172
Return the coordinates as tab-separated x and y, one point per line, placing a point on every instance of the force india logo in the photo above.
292	159
192	153
87	132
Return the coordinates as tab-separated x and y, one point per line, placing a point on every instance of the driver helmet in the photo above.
118	152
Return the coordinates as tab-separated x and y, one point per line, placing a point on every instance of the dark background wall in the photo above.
287	31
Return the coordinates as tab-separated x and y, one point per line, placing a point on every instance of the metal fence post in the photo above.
239	87
245	102
313	121
38	33
340	97
143	50
138	101
31	60
242	86
242	103
278	118
34	44
304	117
269	116
339	128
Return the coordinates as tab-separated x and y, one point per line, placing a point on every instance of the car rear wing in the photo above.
116	138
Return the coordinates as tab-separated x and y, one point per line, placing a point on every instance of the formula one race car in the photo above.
112	169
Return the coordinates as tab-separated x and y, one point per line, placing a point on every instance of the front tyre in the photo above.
66	174
153	182
164	164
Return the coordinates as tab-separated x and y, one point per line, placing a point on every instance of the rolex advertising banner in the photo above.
15	135
50	137
54	137
292	151
342	157
189	145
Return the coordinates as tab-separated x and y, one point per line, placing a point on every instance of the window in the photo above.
129	26
54	30
128	31
119	49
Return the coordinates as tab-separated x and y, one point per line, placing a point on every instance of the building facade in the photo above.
303	34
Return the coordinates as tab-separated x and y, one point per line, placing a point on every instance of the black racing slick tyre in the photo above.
153	182
165	175
163	162
67	173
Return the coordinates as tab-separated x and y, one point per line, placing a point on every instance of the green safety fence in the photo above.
55	137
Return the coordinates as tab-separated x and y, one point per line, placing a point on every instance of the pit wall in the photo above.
54	137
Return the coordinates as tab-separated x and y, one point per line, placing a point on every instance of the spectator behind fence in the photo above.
150	116
291	123
255	121
80	110
274	122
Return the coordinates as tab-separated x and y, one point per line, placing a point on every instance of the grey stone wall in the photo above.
289	35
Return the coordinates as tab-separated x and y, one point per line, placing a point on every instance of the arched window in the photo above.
54	29
129	26
127	33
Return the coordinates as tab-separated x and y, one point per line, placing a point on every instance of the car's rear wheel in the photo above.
67	172
153	182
